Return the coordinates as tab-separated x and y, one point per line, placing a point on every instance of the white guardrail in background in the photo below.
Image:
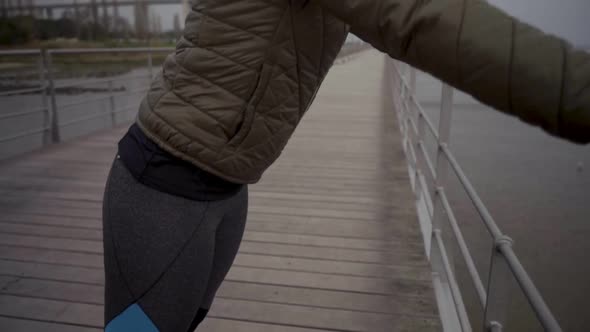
47	89
429	181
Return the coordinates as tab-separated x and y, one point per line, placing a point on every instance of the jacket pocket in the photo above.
249	111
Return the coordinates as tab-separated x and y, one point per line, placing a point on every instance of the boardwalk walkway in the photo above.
332	241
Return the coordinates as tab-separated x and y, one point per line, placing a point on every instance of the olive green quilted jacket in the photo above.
245	71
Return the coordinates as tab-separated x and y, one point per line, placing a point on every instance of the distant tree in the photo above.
177	24
22	29
93	31
66	28
16	30
45	29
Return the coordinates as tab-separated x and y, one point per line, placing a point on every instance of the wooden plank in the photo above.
56	290
344	283
91	210
301	316
284	188
51	311
377	229
100	171
59	257
9	324
273	249
335	254
321	298
5	281
73	245
50	231
32	199
45	220
397	218
90	316
48	256
93	294
223	325
259	222
95	196
364	285
55	211
256	199
84	275
254	236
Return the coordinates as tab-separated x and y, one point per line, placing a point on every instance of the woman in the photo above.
229	98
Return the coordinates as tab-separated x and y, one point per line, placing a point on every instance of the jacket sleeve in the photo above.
481	50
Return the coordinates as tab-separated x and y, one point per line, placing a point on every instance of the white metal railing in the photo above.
47	88
429	182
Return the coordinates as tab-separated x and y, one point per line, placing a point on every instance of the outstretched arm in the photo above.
481	50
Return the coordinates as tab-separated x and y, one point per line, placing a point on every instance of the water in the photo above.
537	188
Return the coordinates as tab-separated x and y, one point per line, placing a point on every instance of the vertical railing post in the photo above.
112	104
47	64
44	102
400	104
400	92
496	310
150	64
402	109
440	182
396	95
420	163
413	81
438	210
444	130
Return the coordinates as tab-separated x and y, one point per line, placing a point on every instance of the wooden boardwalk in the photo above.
332	241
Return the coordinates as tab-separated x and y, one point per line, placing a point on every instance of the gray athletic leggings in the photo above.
165	256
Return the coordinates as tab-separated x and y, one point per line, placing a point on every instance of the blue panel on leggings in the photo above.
133	319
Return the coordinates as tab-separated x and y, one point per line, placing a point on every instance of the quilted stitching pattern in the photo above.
213	89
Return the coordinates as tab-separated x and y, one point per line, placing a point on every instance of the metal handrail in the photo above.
486	216
86	82
49	88
74	51
19	52
454	287
427	120
19	91
19	114
23	134
528	287
502	244
467	258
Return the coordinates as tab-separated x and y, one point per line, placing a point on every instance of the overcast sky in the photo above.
567	18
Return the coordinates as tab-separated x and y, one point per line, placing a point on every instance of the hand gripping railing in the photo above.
429	181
